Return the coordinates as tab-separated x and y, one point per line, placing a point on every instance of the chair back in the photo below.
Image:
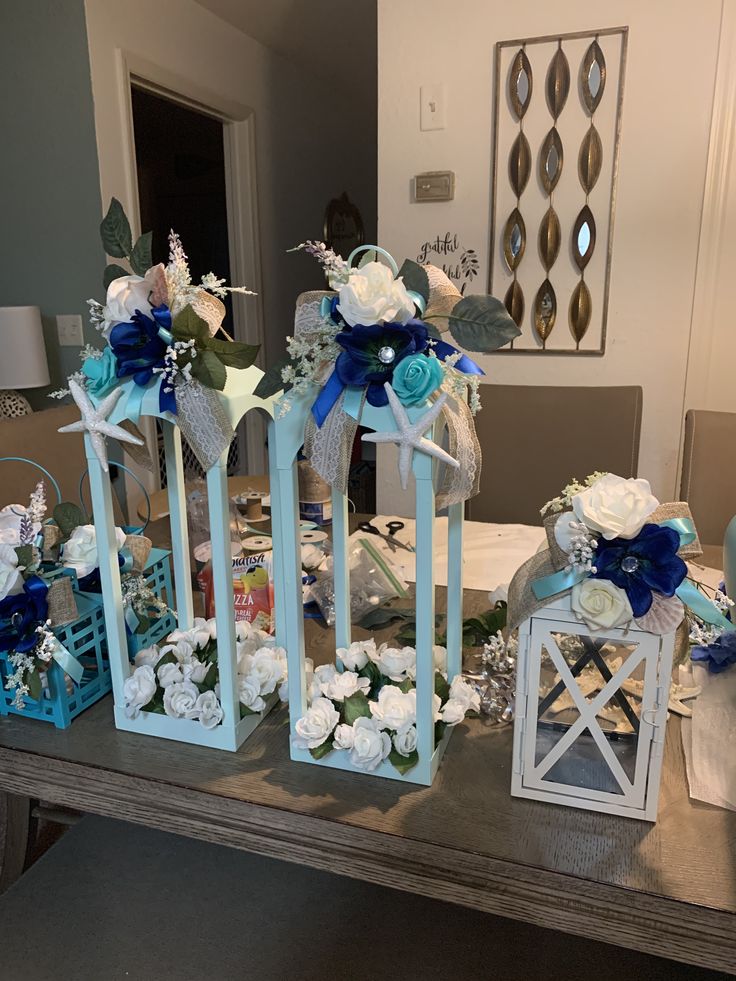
535	439
708	480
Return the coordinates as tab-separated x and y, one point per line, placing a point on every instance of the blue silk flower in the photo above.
642	565
137	345
371	353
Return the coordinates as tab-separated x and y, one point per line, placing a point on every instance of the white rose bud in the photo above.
138	690
371	745
11	578
343	736
209	710
405	740
453	711
180	700
249	692
80	551
394	708
344	685
315	727
355	657
169	674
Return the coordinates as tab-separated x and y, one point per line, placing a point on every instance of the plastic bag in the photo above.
373	581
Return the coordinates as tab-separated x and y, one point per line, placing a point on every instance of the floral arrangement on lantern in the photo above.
367	707
179	678
159	327
619	553
33	599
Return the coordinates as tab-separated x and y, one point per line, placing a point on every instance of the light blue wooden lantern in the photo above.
237	399
287	439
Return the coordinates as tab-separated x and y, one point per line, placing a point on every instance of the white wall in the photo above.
307	149
664	147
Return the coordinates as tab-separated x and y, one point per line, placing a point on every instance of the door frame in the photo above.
242	211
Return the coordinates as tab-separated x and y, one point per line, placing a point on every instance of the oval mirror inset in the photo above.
558	82
593	77
583	238
520	164
514	302
581	309
549	238
514	239
520	83
545	311
550	160
590	160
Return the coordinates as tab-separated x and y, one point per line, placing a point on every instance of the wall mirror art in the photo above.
557	121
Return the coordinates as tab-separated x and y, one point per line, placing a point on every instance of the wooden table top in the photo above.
668	889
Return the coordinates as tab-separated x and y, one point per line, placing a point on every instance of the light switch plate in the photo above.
70	331
432	106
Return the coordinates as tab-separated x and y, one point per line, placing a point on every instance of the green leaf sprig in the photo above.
117	241
211	355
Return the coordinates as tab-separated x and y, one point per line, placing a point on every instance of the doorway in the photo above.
182	185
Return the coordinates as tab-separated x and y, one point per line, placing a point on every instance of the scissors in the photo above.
391	527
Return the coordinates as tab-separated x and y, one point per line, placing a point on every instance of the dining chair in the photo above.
536	438
708	480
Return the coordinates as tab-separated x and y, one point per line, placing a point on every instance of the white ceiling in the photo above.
334	39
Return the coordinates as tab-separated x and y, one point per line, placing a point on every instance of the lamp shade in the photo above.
23	361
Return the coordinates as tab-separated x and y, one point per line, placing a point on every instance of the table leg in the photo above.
15	814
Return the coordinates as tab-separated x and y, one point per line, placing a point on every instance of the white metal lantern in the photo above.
236	400
288	438
591	711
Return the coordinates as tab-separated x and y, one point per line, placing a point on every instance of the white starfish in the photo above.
94	421
410	435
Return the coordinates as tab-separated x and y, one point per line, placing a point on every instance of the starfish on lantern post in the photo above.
410	435
94	421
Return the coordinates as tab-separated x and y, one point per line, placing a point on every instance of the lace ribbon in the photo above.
203	422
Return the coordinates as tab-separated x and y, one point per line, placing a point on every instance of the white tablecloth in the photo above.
491	553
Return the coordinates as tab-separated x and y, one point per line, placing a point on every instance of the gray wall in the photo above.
50	254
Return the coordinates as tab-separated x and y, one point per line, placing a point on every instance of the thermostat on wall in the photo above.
438	185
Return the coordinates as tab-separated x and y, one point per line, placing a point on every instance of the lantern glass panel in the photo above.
588	712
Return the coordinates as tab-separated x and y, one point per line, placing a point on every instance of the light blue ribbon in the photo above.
67	662
131	618
701	606
687	592
134	405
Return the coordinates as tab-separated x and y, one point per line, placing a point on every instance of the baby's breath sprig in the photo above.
335	267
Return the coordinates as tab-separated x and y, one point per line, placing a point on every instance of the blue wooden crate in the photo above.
85	639
158	577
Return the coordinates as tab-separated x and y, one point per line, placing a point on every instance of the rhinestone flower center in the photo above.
386	355
630	563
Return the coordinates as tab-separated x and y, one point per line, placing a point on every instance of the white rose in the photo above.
126	294
209	709
344	685
180	700
138	690
249	693
11	579
439	660
355	657
11	517
394	708
499	595
315	727
267	669
198	636
169	674
344	736
601	604
149	655
309	673
395	663
464	693
405	740
373	296
195	671
370	746
615	507
80	552
453	711
325	673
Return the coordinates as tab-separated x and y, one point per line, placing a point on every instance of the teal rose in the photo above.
101	373
415	378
